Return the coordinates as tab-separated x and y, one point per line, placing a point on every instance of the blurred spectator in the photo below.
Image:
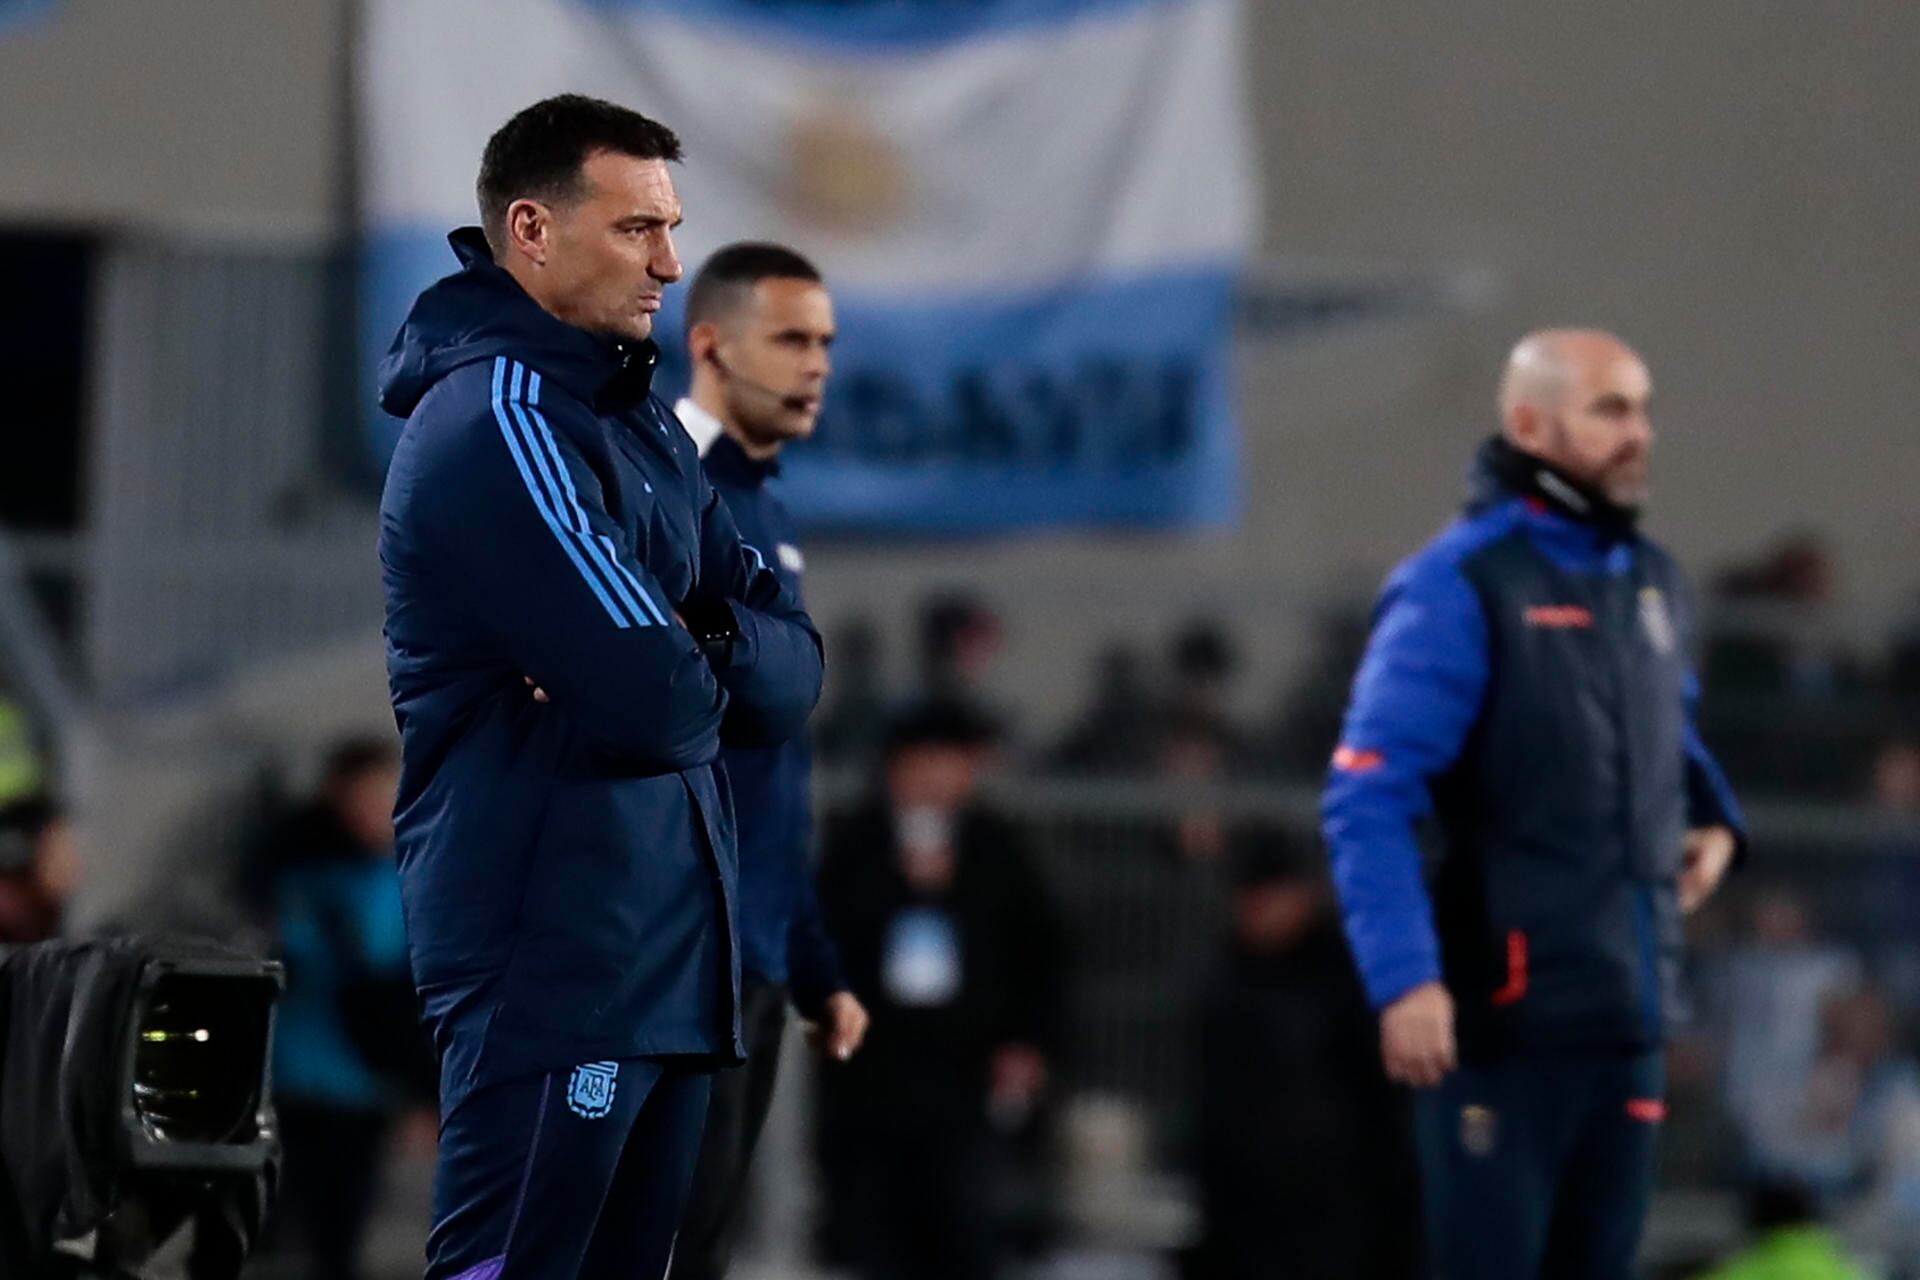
1886	902
1856	1129
348	1050
1115	732
1771	634
960	639
949	937
1204	664
1789	1243
22	772
1796	568
1896	781
39	869
1306	723
1193	757
851	727
1304	1152
1903	657
1774	988
1772	637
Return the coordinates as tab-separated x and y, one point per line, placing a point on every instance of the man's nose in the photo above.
665	266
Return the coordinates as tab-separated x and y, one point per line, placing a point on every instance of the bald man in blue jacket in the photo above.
1526	691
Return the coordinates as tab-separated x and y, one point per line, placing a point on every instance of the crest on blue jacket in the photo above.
1657	621
590	1091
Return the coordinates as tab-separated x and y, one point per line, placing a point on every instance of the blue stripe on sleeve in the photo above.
604	555
652	609
572	516
540	501
546	453
564	498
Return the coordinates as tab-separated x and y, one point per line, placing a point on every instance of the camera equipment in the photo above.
133	1103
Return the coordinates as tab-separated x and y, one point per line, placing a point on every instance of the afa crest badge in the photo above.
1479	1130
590	1091
1657	622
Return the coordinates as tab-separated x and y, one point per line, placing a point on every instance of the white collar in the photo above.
701	425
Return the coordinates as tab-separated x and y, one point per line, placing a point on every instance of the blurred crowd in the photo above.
1800	1080
994	946
1800	698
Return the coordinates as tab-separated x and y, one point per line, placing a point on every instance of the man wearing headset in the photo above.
759	325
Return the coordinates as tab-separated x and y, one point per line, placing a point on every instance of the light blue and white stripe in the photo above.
536	455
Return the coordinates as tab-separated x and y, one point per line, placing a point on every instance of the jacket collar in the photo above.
728	462
1502	472
701	425
608	374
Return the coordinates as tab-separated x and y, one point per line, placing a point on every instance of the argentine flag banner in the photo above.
1032	215
15	13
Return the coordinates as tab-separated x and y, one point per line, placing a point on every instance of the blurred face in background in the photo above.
1780	919
57	861
603	260
936	776
1858	1028
1192	756
771	358
1896	779
929	784
1581	404
1275	915
363	801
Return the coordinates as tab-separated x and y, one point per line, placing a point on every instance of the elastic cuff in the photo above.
811	1003
746	636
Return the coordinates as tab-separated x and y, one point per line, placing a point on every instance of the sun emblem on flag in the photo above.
843	172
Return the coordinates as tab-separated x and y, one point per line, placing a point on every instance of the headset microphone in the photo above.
758	388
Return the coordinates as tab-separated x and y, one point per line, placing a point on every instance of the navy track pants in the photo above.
579	1175
1540	1167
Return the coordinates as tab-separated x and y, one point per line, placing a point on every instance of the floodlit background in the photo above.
1170	325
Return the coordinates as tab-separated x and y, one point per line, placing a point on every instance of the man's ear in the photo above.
530	230
703	340
1523	425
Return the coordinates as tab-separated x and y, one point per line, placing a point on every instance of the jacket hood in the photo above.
479	312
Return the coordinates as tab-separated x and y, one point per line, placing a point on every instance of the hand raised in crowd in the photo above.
1416	1037
1709	852
842	1027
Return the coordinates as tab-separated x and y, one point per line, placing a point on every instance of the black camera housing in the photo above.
236	995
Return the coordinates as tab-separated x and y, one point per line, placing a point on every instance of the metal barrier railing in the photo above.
217	540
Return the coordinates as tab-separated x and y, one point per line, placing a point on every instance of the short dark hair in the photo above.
22	823
941	722
726	277
537	155
351	759
947	616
